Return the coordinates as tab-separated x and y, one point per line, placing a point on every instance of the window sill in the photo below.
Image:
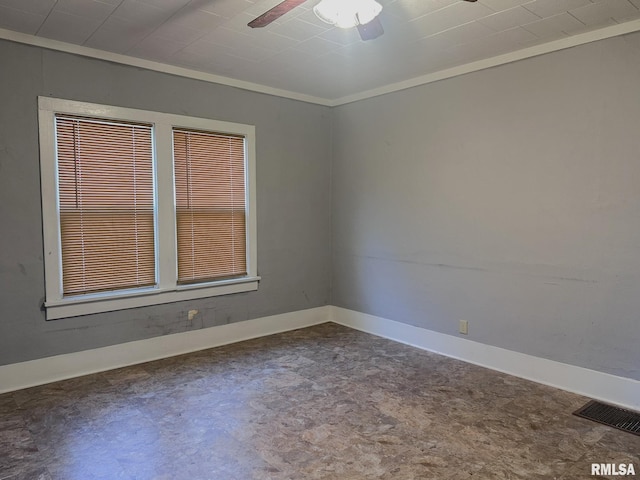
86	305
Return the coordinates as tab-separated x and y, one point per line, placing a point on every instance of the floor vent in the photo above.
615	417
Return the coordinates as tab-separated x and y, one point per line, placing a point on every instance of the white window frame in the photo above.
166	290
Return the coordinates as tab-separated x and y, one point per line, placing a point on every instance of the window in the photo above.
105	197
142	208
210	205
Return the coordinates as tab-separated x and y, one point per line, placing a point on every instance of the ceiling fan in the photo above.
370	29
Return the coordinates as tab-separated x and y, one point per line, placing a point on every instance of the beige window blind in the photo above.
105	182
210	205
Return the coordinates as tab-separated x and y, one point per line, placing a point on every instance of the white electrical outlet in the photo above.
463	327
192	313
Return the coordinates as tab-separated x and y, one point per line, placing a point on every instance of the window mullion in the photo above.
165	208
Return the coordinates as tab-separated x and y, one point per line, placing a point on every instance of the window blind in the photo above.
106	204
210	205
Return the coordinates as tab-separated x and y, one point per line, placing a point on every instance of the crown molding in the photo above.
549	47
156	66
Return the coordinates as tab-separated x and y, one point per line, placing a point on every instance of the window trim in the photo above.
167	290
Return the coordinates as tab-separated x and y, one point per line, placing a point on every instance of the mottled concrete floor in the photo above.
321	403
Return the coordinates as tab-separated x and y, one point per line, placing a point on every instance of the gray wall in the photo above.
293	174
509	197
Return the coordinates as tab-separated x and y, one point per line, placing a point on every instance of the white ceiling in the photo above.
301	54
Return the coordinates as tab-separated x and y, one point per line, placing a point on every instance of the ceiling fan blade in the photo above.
276	12
470	0
371	30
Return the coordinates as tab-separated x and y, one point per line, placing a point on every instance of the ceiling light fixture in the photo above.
347	13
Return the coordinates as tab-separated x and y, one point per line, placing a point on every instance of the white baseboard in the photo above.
624	392
609	388
45	370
